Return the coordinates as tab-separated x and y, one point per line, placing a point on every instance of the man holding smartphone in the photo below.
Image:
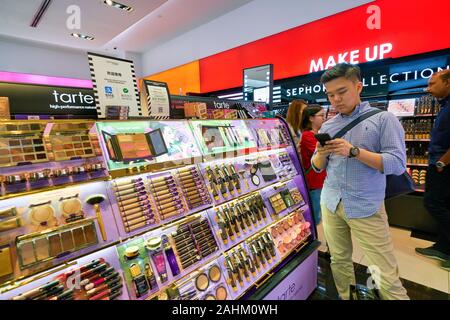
353	194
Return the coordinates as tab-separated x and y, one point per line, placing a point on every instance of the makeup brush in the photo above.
95	201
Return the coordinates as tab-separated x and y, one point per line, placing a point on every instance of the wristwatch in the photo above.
440	165
354	152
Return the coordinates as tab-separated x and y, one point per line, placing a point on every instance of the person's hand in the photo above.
339	147
322	151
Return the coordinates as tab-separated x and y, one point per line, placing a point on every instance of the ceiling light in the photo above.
82	36
118	5
40	12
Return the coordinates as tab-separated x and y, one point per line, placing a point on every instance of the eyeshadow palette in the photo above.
40	247
21	127
69	141
69	146
277	203
18	150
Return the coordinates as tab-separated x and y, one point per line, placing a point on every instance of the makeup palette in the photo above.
39	247
134	203
26	148
278	203
6	265
193	186
68	141
289	232
127	147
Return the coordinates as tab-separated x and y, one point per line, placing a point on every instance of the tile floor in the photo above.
419	272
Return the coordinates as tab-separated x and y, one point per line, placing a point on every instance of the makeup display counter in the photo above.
177	209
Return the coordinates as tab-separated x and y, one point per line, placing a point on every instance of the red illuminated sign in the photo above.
405	28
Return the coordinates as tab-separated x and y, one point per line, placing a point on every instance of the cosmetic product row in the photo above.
287	169
134	203
238	219
168	197
246	262
224	181
417	153
207	283
193	187
97	280
285	198
418	129
289	232
117	112
26	181
44	215
39	247
419	176
425	105
271	137
193	242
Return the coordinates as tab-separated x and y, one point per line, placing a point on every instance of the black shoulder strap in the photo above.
358	120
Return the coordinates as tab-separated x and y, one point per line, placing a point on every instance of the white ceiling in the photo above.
151	23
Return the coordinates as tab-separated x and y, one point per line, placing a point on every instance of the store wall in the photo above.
180	80
255	20
35	58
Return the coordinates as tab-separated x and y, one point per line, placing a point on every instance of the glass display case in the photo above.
176	210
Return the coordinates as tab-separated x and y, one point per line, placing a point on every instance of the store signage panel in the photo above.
158	99
379	78
304	49
115	85
27	99
299	284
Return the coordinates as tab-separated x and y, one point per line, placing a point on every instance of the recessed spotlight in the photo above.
82	36
118	5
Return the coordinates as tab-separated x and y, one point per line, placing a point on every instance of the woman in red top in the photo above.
312	119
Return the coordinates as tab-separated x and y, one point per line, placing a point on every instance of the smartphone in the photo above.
322	138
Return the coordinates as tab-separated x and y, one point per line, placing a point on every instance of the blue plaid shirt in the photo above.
361	188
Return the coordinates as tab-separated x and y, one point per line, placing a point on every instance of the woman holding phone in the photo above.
312	118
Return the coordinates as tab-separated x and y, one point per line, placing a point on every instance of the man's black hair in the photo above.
346	70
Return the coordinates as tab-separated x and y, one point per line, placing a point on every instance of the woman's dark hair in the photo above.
311	110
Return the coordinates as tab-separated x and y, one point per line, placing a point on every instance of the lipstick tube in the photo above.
98	282
107	292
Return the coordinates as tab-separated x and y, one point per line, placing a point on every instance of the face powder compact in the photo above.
255	180
221	293
202	282
214	273
71	207
42	215
132	252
